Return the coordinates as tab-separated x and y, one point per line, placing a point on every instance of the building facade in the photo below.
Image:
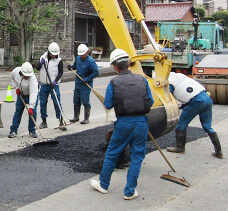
80	23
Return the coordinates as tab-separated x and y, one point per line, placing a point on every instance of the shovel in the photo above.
168	176
45	141
61	111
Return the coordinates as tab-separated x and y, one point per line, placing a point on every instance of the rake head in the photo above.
175	179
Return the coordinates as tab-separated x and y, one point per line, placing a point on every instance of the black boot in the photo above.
181	140
215	141
86	116
76	114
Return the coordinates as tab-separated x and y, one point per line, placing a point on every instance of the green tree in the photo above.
201	11
222	18
24	18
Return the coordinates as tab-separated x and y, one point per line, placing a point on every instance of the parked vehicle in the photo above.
212	73
185	43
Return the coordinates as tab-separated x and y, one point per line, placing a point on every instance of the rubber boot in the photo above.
86	116
215	141
76	114
181	140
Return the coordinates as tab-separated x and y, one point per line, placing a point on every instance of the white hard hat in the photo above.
27	69
54	49
118	54
82	49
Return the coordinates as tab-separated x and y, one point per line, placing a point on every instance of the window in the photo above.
14	40
130	25
81	25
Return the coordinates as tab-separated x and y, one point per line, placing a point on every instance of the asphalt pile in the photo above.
85	151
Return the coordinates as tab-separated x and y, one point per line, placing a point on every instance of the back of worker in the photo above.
195	102
131	98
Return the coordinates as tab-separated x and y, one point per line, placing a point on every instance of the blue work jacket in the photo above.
87	69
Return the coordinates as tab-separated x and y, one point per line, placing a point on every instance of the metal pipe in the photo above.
146	30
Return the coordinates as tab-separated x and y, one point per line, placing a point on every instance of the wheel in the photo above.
211	88
222	94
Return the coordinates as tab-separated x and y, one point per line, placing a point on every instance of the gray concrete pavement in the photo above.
206	174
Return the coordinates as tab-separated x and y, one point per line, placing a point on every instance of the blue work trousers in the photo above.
45	90
82	96
199	105
128	130
18	114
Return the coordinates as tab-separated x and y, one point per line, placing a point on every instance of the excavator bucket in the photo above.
164	114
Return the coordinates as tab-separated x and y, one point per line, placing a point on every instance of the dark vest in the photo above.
130	94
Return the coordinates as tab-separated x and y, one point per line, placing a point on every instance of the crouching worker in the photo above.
195	102
131	98
26	84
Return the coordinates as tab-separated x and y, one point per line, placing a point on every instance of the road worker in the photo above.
26	84
87	69
195	101
131	97
51	71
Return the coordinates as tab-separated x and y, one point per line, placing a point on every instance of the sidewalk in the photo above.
206	174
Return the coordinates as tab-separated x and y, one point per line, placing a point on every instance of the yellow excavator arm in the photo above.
164	114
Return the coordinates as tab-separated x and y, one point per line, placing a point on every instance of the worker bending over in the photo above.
87	69
26	84
195	102
131	98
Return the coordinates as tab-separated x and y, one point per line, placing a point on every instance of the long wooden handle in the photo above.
158	147
81	78
37	127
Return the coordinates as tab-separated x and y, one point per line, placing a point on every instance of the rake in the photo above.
98	95
45	141
168	176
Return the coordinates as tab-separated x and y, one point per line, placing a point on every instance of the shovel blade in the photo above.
46	142
175	180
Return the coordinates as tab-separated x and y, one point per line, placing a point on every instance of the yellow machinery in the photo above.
164	114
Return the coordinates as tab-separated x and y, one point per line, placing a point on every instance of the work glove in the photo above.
18	92
69	67
42	61
30	111
53	84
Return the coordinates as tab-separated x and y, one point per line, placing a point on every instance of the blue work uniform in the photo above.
200	104
87	69
128	130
